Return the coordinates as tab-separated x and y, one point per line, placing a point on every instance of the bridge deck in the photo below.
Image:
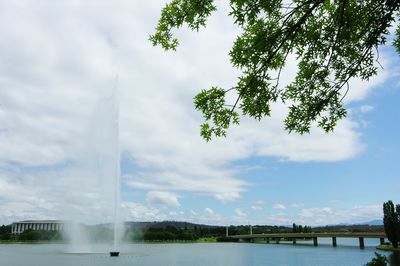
312	235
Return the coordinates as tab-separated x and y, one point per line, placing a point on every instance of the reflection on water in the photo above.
197	254
394	259
342	242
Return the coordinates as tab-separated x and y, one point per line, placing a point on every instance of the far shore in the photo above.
388	248
201	240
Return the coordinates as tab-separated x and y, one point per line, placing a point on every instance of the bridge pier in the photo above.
315	241
361	241
293	237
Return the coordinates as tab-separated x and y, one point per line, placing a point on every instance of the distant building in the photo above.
46	225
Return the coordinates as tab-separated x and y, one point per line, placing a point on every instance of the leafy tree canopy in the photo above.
391	222
378	260
333	41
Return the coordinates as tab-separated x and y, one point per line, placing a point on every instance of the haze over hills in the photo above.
189	225
370	225
374	222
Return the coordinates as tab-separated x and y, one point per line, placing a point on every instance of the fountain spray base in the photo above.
114	253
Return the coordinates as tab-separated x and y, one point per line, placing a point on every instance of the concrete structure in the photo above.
46	225
314	236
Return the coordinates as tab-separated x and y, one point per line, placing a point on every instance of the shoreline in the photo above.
388	248
201	240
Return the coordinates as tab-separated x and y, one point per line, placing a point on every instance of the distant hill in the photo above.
164	224
374	222
371	223
188	225
370	226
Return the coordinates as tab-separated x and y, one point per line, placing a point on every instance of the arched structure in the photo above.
46	225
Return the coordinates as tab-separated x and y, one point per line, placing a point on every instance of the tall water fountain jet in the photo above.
115	253
92	177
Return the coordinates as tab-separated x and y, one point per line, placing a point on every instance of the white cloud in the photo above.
214	183
256	208
296	205
366	108
133	211
20	202
57	195
279	206
328	215
278	219
207	216
209	211
240	212
164	198
318	146
334	216
56	120
359	89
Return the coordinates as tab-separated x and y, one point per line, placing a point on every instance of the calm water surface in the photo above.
231	254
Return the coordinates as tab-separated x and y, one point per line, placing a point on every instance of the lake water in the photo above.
231	254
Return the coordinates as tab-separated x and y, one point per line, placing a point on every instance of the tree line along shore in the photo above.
173	231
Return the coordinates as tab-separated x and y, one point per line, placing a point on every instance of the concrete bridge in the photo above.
314	236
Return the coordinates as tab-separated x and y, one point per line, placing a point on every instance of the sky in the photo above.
66	69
